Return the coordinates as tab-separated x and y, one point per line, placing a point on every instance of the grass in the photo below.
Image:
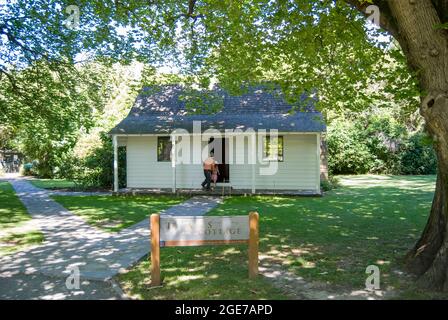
53	184
12	211
368	220
13	214
17	241
114	213
329	240
218	272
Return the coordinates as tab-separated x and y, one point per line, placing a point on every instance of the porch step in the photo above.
224	188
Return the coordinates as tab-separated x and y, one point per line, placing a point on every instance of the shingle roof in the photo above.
163	109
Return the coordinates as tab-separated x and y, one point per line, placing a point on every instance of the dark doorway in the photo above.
220	147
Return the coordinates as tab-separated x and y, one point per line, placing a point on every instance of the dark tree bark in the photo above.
414	24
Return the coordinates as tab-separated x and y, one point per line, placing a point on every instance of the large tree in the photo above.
324	47
420	27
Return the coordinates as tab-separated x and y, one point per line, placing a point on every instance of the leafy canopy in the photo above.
324	47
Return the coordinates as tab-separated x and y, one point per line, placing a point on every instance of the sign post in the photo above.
155	250
170	231
253	245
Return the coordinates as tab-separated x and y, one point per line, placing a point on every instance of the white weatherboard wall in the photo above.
143	170
190	176
298	171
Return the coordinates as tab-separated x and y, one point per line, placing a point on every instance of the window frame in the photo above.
160	155
280	157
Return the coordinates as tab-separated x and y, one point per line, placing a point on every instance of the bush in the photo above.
330	184
418	156
29	169
347	154
378	144
96	169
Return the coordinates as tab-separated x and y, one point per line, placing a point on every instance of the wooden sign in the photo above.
167	231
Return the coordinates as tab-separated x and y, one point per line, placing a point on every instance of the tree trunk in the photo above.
429	257
426	49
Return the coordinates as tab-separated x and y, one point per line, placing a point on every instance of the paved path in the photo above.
78	193
196	206
71	242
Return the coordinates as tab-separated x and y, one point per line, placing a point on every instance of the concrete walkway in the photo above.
71	242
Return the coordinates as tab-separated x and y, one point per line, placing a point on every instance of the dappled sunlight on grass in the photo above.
12	211
17	241
328	241
209	272
369	219
53	183
114	213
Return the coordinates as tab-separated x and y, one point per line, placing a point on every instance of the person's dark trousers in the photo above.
208	179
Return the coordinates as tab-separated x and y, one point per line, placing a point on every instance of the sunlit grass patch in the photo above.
53	184
330	241
114	213
368	220
12	211
218	272
17	241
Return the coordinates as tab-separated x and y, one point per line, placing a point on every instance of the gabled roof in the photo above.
162	109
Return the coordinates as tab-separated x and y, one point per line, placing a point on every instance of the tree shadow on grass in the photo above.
209	272
116	213
334	238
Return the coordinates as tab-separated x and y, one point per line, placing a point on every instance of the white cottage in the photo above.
261	145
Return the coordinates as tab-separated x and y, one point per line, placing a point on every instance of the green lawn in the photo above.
218	272
53	183
326	240
113	213
329	240
13	214
17	241
12	211
368	220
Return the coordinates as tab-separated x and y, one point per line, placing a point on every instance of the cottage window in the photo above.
273	148
163	149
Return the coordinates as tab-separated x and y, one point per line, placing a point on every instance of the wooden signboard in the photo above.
168	231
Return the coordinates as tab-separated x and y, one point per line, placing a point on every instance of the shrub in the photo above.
378	144
418	156
29	169
347	154
330	184
96	169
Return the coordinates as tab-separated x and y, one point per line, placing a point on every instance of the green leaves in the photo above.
50	106
301	45
324	47
441	26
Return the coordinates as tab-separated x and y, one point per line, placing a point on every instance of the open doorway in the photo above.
220	147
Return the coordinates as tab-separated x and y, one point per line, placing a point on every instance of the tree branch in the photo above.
386	20
190	13
191	4
10	78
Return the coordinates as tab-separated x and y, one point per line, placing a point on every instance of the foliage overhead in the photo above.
324	46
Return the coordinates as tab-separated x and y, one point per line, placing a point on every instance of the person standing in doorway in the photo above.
208	166
215	174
